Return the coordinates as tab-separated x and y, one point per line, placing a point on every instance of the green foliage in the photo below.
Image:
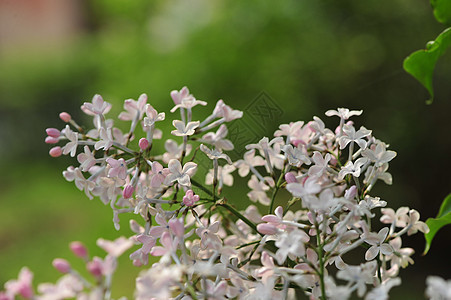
442	11
421	63
435	224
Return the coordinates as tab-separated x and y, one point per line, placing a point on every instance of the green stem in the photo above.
240	216
197	184
276	189
191	291
319	250
248	244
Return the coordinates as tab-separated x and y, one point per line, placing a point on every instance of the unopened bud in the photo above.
65	117
61	265
56	151
128	191
53	132
95	267
351	192
51	140
143	143
79	249
290	178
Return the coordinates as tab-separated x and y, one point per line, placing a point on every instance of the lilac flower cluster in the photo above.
293	242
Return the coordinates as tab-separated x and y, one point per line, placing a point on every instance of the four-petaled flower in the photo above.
96	107
376	240
118	168
215	154
226	112
188	103
218	139
343	113
106	139
184	130
70	147
352	168
86	159
181	175
152	116
321	164
354	137
134	109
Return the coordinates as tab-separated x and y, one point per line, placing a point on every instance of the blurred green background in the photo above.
308	57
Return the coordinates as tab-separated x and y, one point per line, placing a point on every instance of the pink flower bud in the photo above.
56	151
143	143
79	249
51	140
266	228
53	132
95	267
65	117
61	265
290	178
351	192
128	191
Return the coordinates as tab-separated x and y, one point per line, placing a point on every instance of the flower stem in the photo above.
276	189
240	216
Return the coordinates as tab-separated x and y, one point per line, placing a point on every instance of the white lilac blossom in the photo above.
343	113
438	288
184	129
97	106
215	154
351	136
376	240
352	168
70	147
310	216
179	174
217	139
134	109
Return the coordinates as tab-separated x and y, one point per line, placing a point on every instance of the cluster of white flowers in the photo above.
190	240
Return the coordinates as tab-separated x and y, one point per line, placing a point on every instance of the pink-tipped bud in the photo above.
65	117
56	151
51	140
95	267
128	191
53	132
61	265
79	249
290	178
351	192
143	143
266	228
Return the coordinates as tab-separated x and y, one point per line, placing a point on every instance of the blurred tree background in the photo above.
307	56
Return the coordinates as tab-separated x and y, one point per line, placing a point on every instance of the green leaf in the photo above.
421	63
442	11
435	224
445	208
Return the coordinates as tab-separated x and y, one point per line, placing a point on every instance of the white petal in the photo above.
386	249
296	189
372	253
179	125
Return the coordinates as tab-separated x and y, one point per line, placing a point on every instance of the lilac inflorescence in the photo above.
201	246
